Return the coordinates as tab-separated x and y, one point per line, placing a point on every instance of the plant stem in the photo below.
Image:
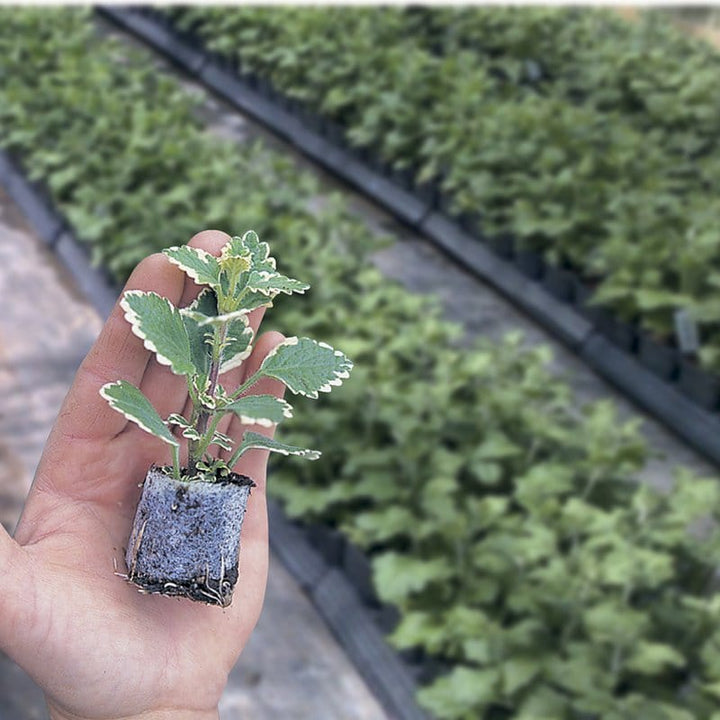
176	461
235	456
248	383
205	441
205	415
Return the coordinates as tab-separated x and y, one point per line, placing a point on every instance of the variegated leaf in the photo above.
216	320
222	441
199	334
191	434
128	400
259	251
256	440
272	283
238	345
177	419
266	410
160	325
305	366
199	264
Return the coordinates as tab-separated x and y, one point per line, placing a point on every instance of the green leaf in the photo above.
650	658
518	672
398	576
272	283
128	400
201	318
256	440
250	244
177	419
222	440
199	264
417	628
305	366
463	693
160	325
199	334
265	410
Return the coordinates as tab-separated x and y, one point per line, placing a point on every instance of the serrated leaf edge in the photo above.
265	275
340	375
132	418
191	272
247	444
203	320
265	422
237	360
134	319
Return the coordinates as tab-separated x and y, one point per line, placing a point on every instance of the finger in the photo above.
116	355
166	391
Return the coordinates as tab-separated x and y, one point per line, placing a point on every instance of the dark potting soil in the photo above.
185	539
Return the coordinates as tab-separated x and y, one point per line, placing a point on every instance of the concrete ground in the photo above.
292	666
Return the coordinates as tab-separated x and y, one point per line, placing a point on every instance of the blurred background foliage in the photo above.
504	521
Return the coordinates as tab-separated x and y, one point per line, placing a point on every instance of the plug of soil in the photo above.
185	539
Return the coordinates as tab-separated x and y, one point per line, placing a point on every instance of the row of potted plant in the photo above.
607	181
505	522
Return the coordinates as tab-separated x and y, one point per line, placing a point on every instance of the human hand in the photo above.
97	647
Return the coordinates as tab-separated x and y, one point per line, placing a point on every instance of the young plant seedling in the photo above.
185	538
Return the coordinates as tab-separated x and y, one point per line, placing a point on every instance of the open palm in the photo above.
96	646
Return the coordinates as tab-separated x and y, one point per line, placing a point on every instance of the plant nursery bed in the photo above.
463	467
549	294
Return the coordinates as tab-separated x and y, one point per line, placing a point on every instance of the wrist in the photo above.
171	714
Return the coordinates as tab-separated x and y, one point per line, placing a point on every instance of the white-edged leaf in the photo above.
159	324
216	320
259	251
201	317
128	400
199	334
306	366
199	264
238	345
256	440
177	419
272	283
191	434
265	410
222	440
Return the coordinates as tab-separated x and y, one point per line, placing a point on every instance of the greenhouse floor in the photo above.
292	667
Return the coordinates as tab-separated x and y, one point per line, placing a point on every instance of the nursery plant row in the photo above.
564	133
503	521
556	297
